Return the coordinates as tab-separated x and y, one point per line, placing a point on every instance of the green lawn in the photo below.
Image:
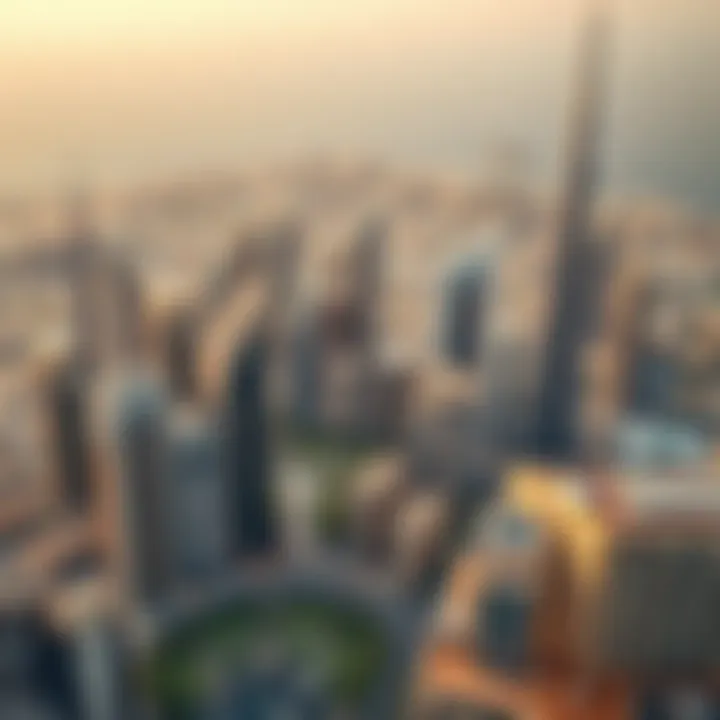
347	648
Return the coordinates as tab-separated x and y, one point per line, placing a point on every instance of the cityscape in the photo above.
339	438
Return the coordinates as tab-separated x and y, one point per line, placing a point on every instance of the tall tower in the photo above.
141	443
65	418
247	458
197	485
569	320
464	306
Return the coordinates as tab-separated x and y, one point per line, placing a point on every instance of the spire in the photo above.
585	128
575	270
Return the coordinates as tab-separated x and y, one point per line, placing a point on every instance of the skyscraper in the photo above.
464	306
65	418
247	460
568	321
141	444
199	507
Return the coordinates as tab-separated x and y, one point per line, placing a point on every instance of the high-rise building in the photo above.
464	306
199	506
140	440
35	677
246	455
560	385
65	410
98	669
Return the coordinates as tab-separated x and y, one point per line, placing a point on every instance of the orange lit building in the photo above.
581	598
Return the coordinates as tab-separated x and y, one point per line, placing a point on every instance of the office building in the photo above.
246	449
63	391
200	527
35	666
140	454
464	306
575	288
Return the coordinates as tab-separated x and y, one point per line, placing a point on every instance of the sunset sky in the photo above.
130	89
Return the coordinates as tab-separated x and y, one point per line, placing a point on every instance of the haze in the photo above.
131	90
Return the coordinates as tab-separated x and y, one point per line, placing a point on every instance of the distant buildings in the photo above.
341	379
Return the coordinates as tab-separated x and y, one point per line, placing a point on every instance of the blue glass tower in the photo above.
247	458
463	313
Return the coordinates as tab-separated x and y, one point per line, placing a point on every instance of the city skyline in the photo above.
120	94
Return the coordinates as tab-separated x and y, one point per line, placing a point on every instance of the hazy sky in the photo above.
128	89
